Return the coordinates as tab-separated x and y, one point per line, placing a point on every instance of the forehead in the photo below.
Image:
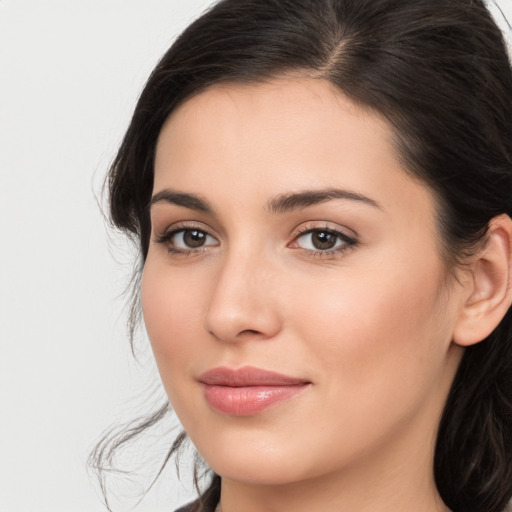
280	103
258	140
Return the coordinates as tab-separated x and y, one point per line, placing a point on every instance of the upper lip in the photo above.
247	376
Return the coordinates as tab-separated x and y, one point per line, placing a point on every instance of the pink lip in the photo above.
248	390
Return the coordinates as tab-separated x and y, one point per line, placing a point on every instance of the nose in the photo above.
243	302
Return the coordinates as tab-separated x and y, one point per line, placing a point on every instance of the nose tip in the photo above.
242	307
235	316
233	328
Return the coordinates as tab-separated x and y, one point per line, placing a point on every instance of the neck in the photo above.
346	492
335	497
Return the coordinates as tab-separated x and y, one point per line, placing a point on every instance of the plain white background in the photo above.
70	73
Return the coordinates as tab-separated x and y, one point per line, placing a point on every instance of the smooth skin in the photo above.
345	289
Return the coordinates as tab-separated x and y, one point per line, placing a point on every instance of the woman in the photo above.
321	192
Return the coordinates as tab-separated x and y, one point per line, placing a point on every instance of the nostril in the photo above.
248	331
249	334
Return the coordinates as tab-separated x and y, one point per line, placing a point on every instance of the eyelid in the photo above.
186	225
308	227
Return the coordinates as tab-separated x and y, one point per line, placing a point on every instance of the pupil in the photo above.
324	240
194	238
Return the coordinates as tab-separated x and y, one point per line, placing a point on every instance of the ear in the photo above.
488	288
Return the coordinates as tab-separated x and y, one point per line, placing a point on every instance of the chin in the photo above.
261	462
257	472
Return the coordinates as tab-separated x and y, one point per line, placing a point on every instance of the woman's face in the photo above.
287	238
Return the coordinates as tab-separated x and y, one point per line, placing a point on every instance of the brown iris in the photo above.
194	238
323	240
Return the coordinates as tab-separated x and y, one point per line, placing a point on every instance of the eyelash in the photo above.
348	242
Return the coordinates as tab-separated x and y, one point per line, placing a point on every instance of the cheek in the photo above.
377	346
172	310
379	326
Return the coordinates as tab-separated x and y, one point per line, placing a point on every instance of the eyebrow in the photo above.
295	201
190	201
280	204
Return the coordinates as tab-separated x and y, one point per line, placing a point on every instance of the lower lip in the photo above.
249	400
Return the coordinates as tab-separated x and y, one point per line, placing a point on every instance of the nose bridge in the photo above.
242	301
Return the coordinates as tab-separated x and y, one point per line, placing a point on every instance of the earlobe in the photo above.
489	285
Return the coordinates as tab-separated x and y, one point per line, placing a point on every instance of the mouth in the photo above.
248	391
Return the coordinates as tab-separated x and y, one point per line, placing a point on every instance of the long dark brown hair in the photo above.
438	71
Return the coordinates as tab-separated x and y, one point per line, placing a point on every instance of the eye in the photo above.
184	240
319	240
323	240
191	239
